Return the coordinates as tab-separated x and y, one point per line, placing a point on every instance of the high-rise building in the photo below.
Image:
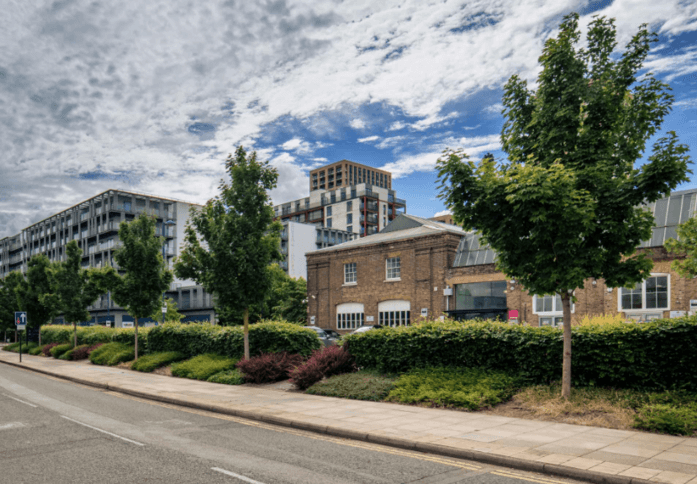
94	224
347	196
298	238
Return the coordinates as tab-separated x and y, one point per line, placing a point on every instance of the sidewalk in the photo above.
587	453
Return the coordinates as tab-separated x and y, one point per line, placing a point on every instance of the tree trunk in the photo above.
39	335
566	372
74	334
136	326
246	333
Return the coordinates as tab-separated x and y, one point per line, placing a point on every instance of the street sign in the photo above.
164	309
20	320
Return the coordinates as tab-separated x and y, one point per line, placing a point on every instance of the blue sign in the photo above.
20	319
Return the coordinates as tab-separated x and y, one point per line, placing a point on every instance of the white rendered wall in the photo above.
302	238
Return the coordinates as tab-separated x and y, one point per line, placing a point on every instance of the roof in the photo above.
402	227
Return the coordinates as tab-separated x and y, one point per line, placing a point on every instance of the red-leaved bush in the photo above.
329	361
269	367
46	350
82	352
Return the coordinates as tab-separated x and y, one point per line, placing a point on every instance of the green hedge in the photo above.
91	335
202	367
198	339
112	354
655	355
58	351
154	361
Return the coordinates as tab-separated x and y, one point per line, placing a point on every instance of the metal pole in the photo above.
164	241
20	348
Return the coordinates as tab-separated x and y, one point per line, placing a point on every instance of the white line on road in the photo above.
103	431
22	401
241	478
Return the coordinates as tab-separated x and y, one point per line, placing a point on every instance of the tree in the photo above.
288	296
685	245
73	288
9	302
239	238
140	289
31	292
170	315
567	205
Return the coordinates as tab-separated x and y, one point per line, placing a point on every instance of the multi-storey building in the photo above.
361	204
94	224
297	239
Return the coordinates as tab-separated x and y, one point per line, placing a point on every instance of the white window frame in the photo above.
350	276
394	313
645	314
555	317
350	316
393	269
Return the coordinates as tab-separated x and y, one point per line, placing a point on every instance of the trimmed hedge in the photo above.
198	339
154	361
654	355
112	354
91	335
26	347
228	377
203	367
57	351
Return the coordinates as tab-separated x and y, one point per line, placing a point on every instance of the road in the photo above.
55	431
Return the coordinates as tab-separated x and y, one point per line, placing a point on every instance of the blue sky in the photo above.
151	97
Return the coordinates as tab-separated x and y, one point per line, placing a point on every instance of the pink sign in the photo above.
513	314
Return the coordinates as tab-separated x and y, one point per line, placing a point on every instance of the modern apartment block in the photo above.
298	238
346	173
94	224
360	201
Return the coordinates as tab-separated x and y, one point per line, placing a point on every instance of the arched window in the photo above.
394	313
349	316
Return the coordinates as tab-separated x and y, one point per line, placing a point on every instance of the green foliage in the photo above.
111	354
68	355
91	335
171	315
57	351
36	350
203	367
228	377
32	292
685	245
668	419
653	355
26	347
154	361
267	337
11	347
9	302
287	299
363	385
231	241
470	388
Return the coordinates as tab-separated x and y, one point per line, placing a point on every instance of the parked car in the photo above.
368	327
326	336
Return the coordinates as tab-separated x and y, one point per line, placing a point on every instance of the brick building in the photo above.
417	267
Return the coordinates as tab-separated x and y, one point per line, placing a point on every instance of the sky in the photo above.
152	96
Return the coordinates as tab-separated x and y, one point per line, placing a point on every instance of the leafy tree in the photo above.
567	205
238	239
73	288
8	301
288	296
32	290
140	289
171	314
685	245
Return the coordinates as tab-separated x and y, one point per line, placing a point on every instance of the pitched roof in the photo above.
402	227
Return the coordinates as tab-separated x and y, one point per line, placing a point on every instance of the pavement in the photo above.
594	454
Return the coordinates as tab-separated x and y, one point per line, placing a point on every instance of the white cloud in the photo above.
687	103
292	144
369	139
390	142
443	212
674	65
396	126
357	123
494	109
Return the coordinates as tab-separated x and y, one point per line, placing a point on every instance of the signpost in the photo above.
20	324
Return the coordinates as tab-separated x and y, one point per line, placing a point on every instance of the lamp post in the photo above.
164	258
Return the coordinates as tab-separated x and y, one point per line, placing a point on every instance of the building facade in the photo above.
345	173
362	205
420	268
94	224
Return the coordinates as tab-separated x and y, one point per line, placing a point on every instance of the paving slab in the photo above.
600	455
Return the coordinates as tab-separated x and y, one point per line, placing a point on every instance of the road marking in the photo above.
103	431
241	478
513	475
22	401
11	425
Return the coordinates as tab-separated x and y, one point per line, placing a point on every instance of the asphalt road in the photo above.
55	431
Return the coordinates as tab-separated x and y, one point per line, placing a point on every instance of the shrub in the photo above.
269	367
202	367
92	335
70	354
153	361
112	354
228	377
363	385
471	388
58	350
83	352
36	350
329	361
655	355
46	349
266	337
26	347
668	419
